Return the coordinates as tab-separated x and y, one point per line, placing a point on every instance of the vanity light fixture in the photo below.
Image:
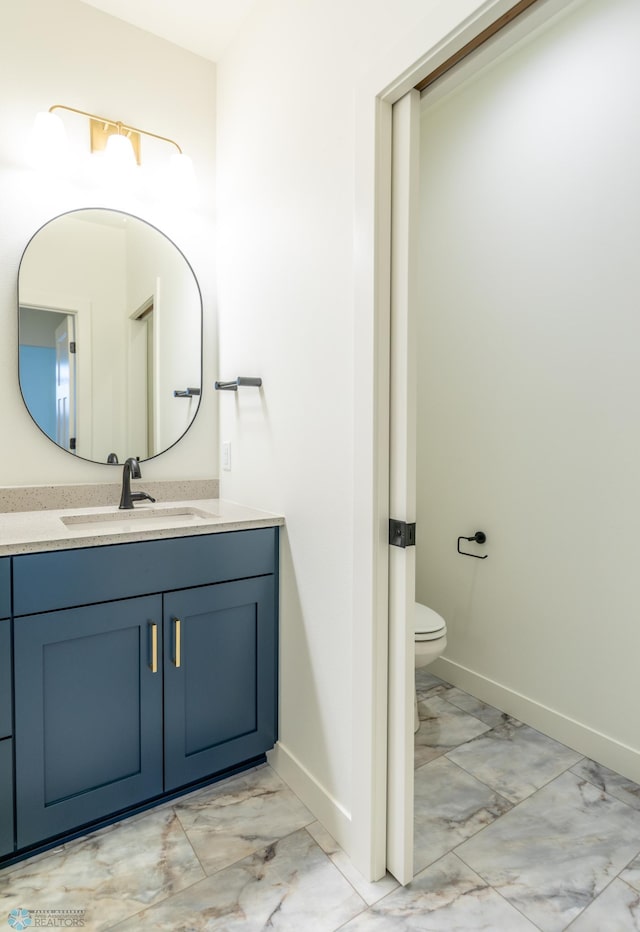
120	142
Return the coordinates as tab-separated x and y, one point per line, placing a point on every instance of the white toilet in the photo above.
430	641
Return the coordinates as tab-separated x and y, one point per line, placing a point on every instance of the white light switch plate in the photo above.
226	455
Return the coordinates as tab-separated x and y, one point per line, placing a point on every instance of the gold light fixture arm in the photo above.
100	131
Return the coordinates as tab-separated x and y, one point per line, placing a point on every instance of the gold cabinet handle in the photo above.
154	648
178	641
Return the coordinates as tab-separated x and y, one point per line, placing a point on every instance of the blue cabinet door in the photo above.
88	709
6	692
220	670
6	796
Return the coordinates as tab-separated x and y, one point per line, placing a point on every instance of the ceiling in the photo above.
205	27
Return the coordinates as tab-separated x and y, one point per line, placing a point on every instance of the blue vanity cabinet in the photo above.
6	712
219	677
88	714
140	669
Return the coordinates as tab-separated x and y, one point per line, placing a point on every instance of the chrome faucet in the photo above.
131	470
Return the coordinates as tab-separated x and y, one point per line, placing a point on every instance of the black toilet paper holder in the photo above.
480	538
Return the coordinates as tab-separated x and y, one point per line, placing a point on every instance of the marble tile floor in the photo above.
514	832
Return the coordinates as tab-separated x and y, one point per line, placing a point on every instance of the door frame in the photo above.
64	337
402	481
447	30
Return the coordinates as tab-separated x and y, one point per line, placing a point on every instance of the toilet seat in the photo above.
429	626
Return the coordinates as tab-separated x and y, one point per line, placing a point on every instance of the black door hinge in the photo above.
72	346
72	443
401	534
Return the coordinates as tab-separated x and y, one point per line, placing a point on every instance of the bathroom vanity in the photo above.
138	646
133	665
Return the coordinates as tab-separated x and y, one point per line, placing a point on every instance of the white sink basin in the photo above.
137	519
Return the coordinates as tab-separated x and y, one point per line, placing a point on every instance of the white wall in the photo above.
161	272
65	52
296	104
530	378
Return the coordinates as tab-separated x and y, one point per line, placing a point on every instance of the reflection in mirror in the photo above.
110	326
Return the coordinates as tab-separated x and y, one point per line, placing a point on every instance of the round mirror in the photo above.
110	336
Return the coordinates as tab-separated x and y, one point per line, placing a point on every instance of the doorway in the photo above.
527	350
48	377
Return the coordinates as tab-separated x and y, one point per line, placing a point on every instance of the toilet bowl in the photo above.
430	641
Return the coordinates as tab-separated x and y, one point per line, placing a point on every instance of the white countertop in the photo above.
67	528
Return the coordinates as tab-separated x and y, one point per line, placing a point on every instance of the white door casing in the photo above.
65	384
402	484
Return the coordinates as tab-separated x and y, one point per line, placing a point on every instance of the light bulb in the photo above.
179	179
47	148
119	152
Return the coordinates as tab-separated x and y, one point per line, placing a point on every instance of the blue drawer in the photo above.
5	587
6	695
43	582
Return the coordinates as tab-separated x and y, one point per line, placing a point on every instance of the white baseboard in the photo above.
327	810
599	747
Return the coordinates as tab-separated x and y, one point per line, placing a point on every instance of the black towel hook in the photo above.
480	538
